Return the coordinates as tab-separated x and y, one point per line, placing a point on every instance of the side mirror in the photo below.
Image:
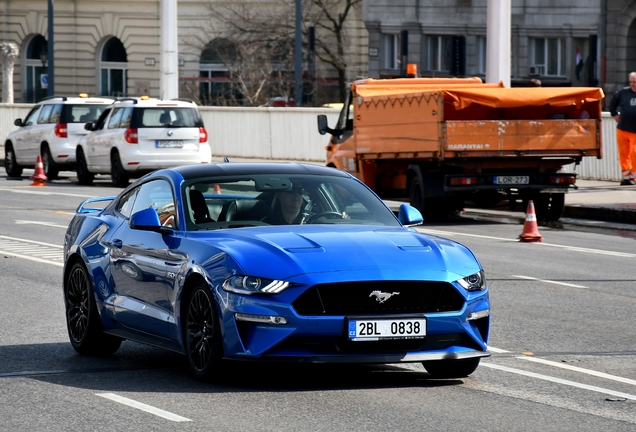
323	125
324	128
89	126
147	220
17	122
409	216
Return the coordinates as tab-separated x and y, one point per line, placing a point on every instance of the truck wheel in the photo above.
432	209
416	195
549	207
10	164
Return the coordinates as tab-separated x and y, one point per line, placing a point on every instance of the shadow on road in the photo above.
140	368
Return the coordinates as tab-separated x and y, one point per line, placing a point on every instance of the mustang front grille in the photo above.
379	298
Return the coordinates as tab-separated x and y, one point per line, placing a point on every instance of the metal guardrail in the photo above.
291	134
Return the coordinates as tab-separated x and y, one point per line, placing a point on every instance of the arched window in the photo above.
36	55
216	86
113	69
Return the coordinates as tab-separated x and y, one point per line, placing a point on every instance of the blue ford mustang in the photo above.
202	260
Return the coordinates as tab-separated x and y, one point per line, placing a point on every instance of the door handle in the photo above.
118	243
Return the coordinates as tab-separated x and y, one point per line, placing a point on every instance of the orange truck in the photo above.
444	142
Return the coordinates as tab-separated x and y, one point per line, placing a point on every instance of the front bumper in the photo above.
323	339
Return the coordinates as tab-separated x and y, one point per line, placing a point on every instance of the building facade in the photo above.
561	43
113	47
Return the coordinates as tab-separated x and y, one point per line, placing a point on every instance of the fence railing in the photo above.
291	134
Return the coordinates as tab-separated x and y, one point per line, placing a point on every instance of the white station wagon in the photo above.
135	136
51	129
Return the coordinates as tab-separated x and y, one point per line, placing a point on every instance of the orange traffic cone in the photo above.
217	189
530	229
39	177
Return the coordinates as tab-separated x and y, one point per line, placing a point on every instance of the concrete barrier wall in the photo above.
292	134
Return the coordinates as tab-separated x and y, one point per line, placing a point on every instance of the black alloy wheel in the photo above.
84	177
82	319
118	174
51	170
204	347
10	164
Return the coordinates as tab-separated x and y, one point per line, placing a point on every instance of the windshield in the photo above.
269	199
83	113
167	117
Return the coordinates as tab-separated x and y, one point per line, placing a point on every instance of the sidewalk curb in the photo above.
605	213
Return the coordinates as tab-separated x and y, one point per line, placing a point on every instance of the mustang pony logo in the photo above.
382	296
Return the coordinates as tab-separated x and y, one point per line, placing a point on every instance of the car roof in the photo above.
156	103
189	172
77	100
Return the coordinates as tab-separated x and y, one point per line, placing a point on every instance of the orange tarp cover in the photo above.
463	95
524	96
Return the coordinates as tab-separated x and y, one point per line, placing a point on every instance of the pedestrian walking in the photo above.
622	107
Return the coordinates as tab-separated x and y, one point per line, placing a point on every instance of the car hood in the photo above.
282	253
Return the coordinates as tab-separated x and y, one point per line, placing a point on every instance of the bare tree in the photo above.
264	39
331	16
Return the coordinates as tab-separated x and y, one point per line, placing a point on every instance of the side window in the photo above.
157	194
33	114
45	114
113	123
56	113
126	116
126	202
99	125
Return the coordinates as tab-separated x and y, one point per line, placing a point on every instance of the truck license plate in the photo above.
512	180
384	329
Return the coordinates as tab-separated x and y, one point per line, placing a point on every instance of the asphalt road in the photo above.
563	341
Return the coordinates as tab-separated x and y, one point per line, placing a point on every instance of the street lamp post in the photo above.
298	55
51	69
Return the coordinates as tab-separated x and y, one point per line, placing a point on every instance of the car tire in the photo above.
10	164
119	176
51	170
83	322
202	328
451	368
84	177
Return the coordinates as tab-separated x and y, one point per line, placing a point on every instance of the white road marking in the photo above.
143	407
578	369
549	281
32	241
25	222
497	350
571	248
41	192
32	250
560	381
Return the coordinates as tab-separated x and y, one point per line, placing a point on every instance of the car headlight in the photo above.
242	284
474	282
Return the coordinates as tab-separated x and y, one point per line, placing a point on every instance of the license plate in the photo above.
385	329
168	144
512	180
